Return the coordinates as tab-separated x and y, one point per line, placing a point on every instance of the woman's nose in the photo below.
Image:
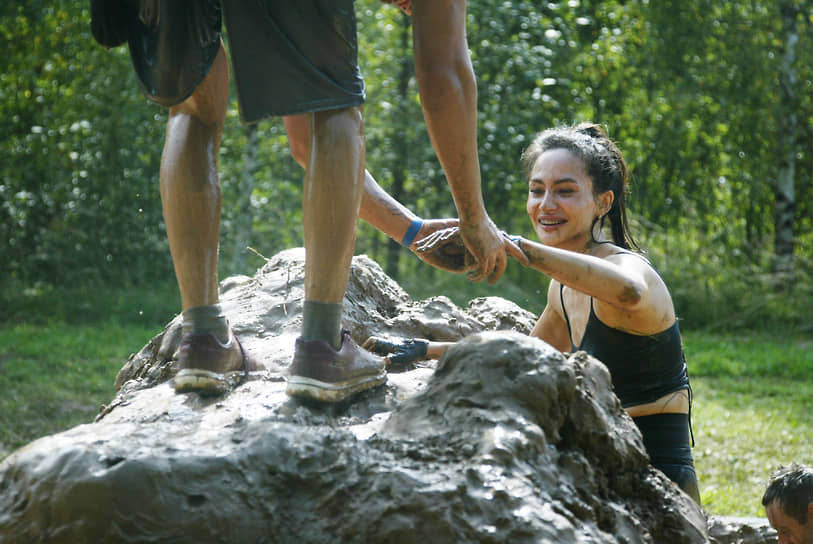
547	201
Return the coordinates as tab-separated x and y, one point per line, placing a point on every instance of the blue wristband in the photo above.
412	232
517	241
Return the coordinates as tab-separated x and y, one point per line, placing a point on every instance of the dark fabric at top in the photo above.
173	46
287	57
643	368
109	21
293	57
666	439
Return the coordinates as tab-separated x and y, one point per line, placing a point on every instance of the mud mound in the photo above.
503	440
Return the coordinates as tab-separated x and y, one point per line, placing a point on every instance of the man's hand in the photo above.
484	241
489	247
445	249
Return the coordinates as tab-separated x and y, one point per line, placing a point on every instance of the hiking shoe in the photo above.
321	373
210	367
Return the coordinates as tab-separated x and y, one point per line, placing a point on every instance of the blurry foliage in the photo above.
79	177
689	90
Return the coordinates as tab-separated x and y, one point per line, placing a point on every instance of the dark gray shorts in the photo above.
288	57
293	56
172	45
667	439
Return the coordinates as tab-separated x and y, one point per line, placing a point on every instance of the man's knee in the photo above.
338	127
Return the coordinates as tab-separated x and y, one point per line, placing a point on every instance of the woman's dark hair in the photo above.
792	488
603	163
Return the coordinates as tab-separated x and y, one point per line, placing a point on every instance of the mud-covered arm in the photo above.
381	210
621	284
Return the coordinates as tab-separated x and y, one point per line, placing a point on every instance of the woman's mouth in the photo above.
550	222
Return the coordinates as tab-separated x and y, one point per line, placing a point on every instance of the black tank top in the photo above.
642	368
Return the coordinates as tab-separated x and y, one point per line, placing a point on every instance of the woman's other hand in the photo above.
400	352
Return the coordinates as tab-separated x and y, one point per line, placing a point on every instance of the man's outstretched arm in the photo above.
448	93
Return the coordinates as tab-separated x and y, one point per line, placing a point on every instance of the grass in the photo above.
60	351
751	413
744	429
752	390
55	376
748	354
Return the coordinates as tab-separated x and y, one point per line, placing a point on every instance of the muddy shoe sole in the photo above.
207	351
308	388
206	382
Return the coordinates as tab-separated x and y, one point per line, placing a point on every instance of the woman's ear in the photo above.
606	200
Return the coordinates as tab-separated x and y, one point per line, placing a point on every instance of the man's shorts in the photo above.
288	57
293	56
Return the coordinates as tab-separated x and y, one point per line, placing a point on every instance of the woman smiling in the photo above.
604	297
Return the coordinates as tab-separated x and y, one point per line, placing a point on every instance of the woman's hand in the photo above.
399	352
513	247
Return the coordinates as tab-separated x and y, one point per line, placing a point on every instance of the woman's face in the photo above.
561	203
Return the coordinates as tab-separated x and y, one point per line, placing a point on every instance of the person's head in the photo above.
788	502
596	167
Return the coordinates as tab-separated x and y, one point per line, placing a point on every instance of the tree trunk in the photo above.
784	191
243	219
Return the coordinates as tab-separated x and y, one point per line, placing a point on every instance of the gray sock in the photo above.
322	321
206	319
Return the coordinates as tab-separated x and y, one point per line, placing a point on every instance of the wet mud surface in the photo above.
503	440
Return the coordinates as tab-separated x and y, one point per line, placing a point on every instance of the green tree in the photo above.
79	177
691	90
